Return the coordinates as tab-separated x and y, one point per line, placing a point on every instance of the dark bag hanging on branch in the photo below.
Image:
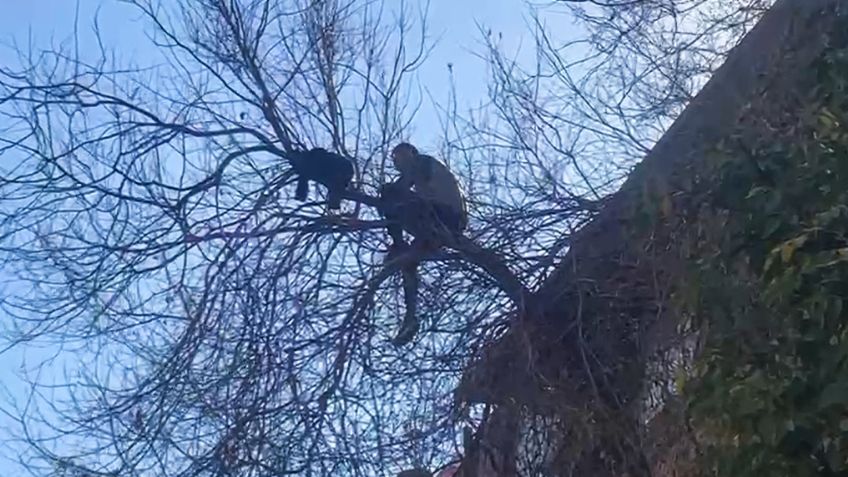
329	169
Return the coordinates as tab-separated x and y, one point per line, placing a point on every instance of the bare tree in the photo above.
223	329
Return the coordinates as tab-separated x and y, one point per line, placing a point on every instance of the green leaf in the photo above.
787	249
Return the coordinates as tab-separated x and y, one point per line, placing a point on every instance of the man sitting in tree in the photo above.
426	200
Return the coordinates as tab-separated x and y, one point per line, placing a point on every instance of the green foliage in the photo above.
770	392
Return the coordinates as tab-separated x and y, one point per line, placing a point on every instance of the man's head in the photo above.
403	155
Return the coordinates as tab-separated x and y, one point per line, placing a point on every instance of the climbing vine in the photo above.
769	391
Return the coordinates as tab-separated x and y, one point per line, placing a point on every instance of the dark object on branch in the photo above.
332	170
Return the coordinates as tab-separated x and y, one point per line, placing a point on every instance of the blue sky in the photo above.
454	24
43	23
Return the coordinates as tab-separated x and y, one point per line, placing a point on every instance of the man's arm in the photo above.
406	180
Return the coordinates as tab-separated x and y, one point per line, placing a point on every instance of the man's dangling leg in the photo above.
410	325
421	218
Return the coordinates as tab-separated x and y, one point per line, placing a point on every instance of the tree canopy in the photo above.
213	326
